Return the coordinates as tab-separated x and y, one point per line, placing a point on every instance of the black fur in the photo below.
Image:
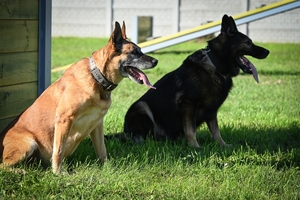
193	93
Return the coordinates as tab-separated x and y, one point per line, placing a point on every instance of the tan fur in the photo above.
67	112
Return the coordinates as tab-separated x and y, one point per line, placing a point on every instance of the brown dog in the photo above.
74	106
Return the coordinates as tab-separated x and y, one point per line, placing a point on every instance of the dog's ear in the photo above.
124	31
228	26
116	38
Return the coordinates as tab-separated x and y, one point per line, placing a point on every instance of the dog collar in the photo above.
100	78
212	57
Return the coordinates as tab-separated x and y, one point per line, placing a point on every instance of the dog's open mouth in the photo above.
138	76
248	67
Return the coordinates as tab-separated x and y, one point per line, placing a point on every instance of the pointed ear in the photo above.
116	36
228	26
124	31
233	25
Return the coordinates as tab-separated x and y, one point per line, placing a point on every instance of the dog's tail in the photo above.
2	134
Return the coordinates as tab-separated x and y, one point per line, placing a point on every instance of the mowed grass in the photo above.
261	121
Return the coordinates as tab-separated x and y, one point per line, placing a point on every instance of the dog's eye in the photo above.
138	50
248	43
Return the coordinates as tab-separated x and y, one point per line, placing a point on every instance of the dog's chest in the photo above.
90	118
95	113
85	124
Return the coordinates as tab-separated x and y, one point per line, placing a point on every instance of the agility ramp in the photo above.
212	27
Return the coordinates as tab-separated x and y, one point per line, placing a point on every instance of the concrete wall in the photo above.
95	18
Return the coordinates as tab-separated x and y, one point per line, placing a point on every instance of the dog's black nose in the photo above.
154	61
267	52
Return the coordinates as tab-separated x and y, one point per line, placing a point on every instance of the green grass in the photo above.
261	121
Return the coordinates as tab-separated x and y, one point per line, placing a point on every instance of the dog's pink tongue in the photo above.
145	80
251	66
254	72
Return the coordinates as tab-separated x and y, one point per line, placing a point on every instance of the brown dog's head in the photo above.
129	57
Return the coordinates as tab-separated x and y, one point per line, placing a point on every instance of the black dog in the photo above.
193	93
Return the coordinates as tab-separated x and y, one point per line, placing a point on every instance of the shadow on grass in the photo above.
276	73
279	147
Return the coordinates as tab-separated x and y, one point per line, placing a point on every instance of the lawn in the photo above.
261	121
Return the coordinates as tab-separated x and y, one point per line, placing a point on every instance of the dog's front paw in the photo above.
194	143
221	142
60	172
226	145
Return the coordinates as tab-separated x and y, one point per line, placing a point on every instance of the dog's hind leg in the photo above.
139	122
215	132
16	150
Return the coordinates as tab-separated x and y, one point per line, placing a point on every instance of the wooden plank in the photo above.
18	36
16	98
24	9
18	68
5	122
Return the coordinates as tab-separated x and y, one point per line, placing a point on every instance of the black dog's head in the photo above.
231	45
129	56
